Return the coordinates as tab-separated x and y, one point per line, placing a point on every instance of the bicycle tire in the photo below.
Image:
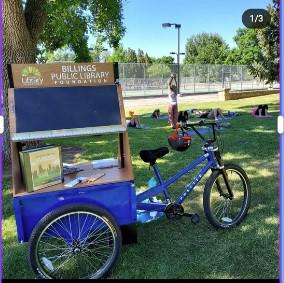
244	197
75	244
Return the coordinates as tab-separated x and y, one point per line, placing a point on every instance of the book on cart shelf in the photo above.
41	167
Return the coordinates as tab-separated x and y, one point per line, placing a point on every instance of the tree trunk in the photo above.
20	33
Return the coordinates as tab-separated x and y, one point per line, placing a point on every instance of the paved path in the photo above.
158	101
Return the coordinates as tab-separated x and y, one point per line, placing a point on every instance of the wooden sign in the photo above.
62	75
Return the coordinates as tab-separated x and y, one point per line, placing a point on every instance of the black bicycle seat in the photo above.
150	156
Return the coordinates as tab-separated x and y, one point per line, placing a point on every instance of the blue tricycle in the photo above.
83	240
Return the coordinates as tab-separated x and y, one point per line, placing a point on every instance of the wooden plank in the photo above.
17	184
62	75
67	133
111	175
121	105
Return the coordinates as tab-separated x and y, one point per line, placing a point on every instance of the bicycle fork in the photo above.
221	167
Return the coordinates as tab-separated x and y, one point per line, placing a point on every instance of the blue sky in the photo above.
143	20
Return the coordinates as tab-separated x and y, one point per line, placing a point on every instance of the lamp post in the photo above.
180	53
177	26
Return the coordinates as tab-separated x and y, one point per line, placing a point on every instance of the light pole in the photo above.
177	26
180	53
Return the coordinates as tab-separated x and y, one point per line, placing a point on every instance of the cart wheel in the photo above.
75	241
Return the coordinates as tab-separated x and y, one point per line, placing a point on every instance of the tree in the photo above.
148	59
248	49
140	56
54	23
269	42
206	48
62	54
118	55
158	70
130	56
165	60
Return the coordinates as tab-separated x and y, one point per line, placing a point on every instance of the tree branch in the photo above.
36	15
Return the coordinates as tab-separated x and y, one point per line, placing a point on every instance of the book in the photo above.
41	167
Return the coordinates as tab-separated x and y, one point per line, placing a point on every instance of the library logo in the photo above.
31	76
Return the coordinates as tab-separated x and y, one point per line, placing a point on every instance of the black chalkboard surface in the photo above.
57	108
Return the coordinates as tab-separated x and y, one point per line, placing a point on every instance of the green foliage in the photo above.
247	50
156	70
140	56
130	56
62	54
206	48
165	60
118	55
68	23
269	41
259	48
148	59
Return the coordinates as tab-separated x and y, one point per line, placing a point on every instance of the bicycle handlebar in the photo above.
200	123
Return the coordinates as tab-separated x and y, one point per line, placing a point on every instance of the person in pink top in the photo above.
173	107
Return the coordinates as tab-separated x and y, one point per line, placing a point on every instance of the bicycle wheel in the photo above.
220	210
75	241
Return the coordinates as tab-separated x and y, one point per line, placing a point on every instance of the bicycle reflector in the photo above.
179	142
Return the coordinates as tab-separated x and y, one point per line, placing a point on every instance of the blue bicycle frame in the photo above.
162	186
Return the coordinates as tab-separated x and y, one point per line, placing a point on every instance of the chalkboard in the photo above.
57	108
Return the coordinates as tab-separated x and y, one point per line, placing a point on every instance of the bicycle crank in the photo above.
176	211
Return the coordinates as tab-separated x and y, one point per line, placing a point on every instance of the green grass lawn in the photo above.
179	249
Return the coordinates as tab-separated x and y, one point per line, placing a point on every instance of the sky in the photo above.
143	21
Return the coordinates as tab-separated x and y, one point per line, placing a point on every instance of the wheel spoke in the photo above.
89	252
221	210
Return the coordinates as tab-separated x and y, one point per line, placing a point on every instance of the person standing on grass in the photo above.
173	108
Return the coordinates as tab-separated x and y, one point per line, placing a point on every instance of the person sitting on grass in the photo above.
156	114
134	121
183	116
261	110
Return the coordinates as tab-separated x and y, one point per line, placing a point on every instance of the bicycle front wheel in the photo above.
76	241
222	211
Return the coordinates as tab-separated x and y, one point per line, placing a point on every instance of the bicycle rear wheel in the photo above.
76	241
220	210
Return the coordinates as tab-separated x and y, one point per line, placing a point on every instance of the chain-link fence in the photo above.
151	80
